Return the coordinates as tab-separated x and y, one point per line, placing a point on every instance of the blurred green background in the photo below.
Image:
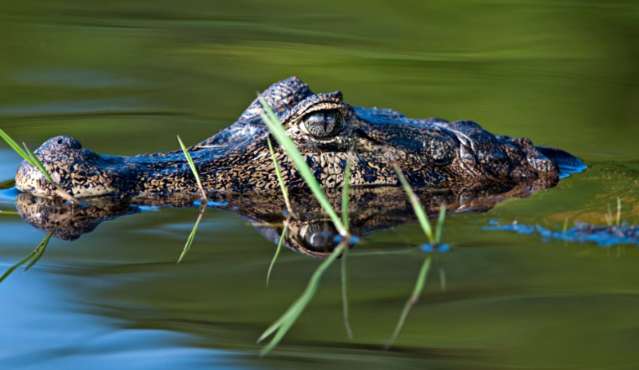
126	76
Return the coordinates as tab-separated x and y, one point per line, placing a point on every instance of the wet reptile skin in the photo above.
433	153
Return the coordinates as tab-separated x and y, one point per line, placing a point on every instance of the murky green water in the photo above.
125	78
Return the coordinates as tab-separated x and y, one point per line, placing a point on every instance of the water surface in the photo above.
125	78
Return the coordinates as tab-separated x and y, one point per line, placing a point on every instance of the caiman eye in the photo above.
322	124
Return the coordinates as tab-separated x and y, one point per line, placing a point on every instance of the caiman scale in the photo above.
433	153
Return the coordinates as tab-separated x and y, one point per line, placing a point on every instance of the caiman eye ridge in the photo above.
322	124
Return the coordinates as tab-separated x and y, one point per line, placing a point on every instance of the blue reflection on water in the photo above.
603	236
64	336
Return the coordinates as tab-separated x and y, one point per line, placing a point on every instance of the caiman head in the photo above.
433	153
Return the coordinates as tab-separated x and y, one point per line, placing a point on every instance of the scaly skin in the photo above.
433	153
309	231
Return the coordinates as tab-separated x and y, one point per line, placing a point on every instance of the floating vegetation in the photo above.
603	236
193	168
31	158
615	232
31	259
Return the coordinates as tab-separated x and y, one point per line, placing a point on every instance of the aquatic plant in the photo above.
7	183
280	243
412	300
289	208
344	281
277	130
346	194
280	178
434	238
280	327
603	236
614	220
31	259
343	270
191	237
34	161
193	168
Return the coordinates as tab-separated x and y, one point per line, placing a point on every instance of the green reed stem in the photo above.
277	130
280	178
344	278
417	207
441	219
7	183
280	243
32	258
193	168
346	194
191	237
39	251
26	154
618	211
284	323
412	300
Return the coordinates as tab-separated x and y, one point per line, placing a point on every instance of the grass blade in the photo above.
11	269
8	213
280	178
284	323
35	162
277	130
412	300
31	158
417	207
32	257
618	211
441	219
6	184
346	194
280	243
191	237
193	168
39	251
13	145
344	278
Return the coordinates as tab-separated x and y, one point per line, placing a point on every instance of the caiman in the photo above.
433	153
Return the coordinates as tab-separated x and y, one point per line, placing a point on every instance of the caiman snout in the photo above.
76	170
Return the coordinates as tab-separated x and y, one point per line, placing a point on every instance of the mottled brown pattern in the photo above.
434	154
309	230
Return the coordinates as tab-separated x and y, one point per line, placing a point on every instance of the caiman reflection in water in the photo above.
309	230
